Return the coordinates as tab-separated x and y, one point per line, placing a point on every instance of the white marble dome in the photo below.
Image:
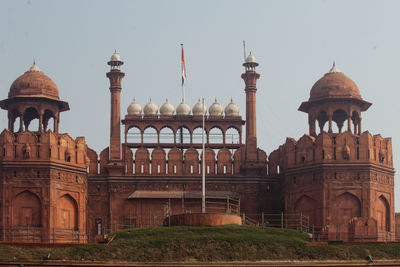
199	109
134	108
232	109
250	58
215	109
150	109
167	109
115	57
183	109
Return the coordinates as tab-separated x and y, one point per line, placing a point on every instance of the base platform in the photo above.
204	219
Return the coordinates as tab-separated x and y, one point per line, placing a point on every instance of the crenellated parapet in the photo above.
47	146
334	148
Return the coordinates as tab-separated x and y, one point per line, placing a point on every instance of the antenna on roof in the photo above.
244	50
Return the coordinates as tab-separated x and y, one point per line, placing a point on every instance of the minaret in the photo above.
250	78
115	75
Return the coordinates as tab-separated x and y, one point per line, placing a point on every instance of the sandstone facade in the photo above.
341	178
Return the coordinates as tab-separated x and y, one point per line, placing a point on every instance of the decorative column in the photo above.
56	122
21	122
40	121
115	76
330	123
10	122
311	124
349	123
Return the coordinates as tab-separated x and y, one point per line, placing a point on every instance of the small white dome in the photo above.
115	57
134	108
232	109
34	67
250	59
167	108
215	109
183	109
150	109
199	109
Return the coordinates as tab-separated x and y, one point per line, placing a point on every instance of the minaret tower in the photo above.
115	75
250	78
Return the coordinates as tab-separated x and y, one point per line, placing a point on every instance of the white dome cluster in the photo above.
183	109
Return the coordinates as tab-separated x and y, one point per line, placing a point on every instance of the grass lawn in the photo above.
217	243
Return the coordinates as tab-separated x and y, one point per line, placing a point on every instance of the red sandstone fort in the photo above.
56	189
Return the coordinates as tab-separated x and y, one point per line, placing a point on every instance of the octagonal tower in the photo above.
43	179
343	181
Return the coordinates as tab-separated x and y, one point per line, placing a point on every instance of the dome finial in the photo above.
334	69
34	67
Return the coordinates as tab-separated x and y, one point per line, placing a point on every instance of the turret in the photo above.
250	78
115	75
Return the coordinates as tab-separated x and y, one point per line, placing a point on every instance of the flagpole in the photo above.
183	74
203	180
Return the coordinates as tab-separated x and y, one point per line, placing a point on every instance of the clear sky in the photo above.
295	43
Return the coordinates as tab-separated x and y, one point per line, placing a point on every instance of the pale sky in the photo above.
295	43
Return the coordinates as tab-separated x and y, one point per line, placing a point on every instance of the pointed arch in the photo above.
26	210
134	134
167	135
383	213
307	206
346	207
183	135
150	135
216	135
67	212
175	161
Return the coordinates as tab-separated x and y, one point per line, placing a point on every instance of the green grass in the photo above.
221	243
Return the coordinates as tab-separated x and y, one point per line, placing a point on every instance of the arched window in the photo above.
150	135
183	135
48	120
216	136
166	136
339	117
197	136
31	119
134	135
232	136
322	118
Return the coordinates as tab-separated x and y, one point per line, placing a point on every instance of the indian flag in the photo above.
183	67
